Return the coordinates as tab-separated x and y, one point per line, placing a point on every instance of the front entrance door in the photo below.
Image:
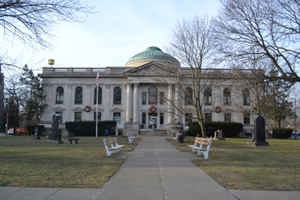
152	121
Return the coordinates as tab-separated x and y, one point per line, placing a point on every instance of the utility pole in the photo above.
2	127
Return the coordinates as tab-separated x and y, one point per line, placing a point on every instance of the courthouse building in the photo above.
145	92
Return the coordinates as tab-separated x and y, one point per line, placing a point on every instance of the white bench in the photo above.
111	146
131	139
201	146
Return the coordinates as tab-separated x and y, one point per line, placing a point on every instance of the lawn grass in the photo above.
236	165
39	163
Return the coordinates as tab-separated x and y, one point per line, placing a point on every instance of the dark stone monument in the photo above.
36	134
260	132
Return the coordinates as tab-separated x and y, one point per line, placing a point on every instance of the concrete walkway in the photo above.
153	171
156	171
15	193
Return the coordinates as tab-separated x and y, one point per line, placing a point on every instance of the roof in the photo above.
150	54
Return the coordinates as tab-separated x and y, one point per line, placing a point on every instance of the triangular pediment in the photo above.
152	69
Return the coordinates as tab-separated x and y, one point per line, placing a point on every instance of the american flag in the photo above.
97	79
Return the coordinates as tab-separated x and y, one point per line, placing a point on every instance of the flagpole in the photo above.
97	99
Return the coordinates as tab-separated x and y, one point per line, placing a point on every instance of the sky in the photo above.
118	30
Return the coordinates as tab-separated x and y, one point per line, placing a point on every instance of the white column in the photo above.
177	113
106	102
135	103
129	103
169	116
69	99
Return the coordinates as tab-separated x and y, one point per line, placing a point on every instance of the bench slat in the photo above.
198	146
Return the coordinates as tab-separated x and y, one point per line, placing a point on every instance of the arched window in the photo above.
59	95
227	96
188	97
99	95
78	95
117	100
152	91
246	97
207	96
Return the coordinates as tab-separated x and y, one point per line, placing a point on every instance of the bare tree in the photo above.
193	44
29	21
269	94
266	29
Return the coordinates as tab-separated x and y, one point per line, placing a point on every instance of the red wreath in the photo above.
218	109
153	109
87	109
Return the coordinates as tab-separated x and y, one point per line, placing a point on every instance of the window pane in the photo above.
144	98
152	95
227	117
161	98
208	96
246	97
59	95
77	116
246	118
78	95
59	116
188	97
161	118
117	117
117	96
143	118
208	117
227	96
188	118
99	95
99	116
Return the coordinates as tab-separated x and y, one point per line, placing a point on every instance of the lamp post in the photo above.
2	126
295	110
97	102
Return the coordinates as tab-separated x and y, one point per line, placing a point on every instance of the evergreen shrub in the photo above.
230	129
282	133
88	128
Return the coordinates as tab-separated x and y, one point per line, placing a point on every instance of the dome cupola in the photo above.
152	54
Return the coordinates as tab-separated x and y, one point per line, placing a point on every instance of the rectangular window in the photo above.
208	117
161	118
153	94
117	117
99	116
161	98
59	116
188	118
227	117
246	118
144	98
77	116
143	118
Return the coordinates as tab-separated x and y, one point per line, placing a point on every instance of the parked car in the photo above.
295	134
21	131
10	131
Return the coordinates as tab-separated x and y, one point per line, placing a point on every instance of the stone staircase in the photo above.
153	133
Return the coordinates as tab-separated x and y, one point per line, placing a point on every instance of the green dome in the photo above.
151	53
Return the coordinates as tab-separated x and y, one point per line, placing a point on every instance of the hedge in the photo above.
282	133
88	128
41	129
230	129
